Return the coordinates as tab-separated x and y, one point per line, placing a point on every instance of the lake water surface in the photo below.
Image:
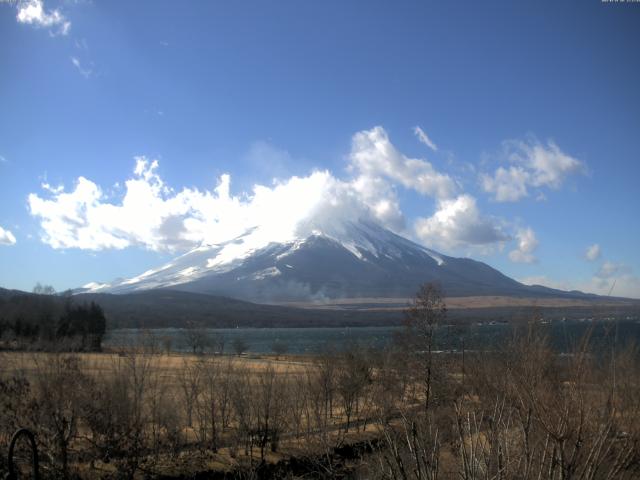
563	335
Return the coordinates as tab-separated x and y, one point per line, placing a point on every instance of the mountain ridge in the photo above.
347	259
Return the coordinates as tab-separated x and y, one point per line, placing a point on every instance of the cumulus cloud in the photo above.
507	185
527	243
33	12
146	212
593	252
532	165
152	215
382	200
458	222
424	138
6	237
373	155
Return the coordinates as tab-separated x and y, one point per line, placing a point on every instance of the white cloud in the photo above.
145	212
507	185
51	188
372	186
33	12
153	216
81	44
3	159
527	243
533	165
6	237
424	138
593	252
458	222
84	71
267	160
611	270
373	155
382	200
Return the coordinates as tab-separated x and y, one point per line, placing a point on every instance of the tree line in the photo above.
44	320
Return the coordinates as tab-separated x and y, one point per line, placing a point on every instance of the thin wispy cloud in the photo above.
611	269
84	71
617	280
424	138
593	252
81	44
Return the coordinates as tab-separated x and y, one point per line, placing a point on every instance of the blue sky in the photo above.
526	155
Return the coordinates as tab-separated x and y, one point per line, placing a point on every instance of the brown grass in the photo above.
488	301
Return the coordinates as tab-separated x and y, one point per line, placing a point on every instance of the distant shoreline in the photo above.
486	301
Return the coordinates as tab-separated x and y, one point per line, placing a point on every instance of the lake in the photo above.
563	335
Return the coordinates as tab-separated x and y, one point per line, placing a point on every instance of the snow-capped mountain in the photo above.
348	259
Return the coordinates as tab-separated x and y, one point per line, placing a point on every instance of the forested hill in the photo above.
42	320
169	308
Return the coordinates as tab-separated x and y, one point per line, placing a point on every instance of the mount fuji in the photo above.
323	262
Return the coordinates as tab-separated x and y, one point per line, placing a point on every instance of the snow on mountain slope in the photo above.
362	239
327	260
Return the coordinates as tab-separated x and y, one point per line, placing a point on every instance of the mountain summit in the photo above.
349	259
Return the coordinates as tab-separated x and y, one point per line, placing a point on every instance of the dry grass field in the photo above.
521	413
169	366
184	395
470	302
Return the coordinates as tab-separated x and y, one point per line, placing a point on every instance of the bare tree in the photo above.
242	395
59	382
189	380
218	342
209	402
43	289
426	311
353	376
239	345
268	404
196	337
227	373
